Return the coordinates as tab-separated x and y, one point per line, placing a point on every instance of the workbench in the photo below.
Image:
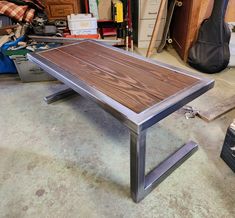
139	92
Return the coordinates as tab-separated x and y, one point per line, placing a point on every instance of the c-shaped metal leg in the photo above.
59	95
141	184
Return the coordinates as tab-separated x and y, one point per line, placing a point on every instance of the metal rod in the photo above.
137	165
164	169
71	40
127	38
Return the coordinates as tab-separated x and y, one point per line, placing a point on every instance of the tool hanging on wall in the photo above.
121	15
117	17
117	11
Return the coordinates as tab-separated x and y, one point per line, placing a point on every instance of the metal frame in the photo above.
59	95
70	40
138	123
141	184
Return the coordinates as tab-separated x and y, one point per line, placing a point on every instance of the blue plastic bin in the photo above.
6	64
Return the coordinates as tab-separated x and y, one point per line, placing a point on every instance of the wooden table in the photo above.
137	91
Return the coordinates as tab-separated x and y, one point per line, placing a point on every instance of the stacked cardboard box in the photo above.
82	24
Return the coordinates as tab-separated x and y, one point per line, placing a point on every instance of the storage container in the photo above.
81	21
228	150
28	71
5	21
144	17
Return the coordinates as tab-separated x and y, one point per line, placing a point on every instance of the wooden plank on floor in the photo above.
218	110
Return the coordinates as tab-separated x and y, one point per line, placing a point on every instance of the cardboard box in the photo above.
81	21
104	9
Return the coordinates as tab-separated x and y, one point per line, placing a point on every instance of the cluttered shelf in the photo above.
26	23
31	25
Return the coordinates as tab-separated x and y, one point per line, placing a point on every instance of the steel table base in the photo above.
141	184
59	95
112	78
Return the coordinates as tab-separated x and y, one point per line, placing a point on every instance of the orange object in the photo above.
90	36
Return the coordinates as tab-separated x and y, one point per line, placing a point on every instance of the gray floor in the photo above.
71	159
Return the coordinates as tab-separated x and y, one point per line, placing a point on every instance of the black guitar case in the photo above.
210	53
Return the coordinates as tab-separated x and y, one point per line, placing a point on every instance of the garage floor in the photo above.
71	159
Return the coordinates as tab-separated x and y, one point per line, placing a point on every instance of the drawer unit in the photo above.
144	18
145	33
146	29
149	9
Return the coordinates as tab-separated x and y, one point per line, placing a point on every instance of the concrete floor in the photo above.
71	159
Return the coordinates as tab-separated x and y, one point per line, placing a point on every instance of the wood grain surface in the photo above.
134	83
224	106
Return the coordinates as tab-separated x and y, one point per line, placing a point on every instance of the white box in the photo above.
81	21
79	16
83	31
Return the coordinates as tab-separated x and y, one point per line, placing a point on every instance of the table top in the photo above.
128	83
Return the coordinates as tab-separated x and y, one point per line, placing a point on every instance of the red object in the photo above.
90	36
86	6
109	31
129	14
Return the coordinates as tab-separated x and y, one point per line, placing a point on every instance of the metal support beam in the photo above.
59	95
141	184
137	165
70	40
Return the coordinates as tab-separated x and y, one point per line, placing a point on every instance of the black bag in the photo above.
210	53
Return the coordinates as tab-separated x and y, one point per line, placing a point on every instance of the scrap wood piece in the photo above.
9	77
7	29
156	28
218	110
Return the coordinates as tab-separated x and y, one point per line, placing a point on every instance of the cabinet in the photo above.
184	23
144	14
187	20
59	9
